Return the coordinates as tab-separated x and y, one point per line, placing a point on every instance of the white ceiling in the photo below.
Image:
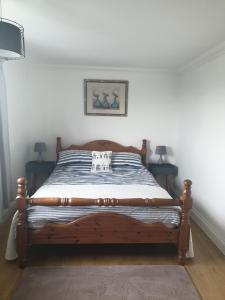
119	33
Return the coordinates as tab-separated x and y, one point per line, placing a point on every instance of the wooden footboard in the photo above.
99	228
103	228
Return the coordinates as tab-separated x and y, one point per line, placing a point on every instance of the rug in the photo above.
158	282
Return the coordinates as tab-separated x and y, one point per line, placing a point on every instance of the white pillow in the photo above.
101	161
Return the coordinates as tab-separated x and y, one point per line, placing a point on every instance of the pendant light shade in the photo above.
11	40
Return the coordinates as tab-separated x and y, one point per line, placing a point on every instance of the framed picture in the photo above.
105	97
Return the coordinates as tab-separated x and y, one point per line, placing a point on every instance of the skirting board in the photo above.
207	228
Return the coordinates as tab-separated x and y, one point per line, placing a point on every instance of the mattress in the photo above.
67	181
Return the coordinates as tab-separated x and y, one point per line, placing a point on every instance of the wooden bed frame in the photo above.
102	228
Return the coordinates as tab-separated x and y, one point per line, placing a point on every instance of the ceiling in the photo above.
119	33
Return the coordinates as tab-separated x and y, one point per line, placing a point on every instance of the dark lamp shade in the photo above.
11	40
160	150
40	147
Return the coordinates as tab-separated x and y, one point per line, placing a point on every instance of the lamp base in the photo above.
40	157
160	160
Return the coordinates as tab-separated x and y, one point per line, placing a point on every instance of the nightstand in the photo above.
165	175
36	173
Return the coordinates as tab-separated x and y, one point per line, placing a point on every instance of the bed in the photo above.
124	206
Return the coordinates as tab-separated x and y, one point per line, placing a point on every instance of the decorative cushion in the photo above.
101	161
126	159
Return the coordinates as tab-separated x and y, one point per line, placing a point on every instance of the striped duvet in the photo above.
72	181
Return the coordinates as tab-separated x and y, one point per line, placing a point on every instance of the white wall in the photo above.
201	144
47	101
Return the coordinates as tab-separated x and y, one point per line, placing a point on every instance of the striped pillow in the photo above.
81	158
126	159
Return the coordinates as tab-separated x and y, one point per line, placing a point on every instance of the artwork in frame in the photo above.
105	97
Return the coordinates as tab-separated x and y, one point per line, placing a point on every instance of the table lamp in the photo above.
40	147
161	150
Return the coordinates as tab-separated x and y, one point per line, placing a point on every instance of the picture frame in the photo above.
105	97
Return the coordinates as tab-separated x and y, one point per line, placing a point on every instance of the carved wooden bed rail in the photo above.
140	233
104	202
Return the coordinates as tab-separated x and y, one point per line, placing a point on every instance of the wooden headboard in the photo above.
104	145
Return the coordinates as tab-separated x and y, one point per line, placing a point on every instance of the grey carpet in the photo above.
106	282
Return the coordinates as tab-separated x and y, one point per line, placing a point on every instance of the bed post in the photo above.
21	228
186	205
144	151
58	146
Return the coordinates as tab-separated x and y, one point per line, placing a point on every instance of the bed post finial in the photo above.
186	194
21	187
58	146
144	151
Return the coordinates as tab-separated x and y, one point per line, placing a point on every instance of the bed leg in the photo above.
186	205
22	247
183	244
21	229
